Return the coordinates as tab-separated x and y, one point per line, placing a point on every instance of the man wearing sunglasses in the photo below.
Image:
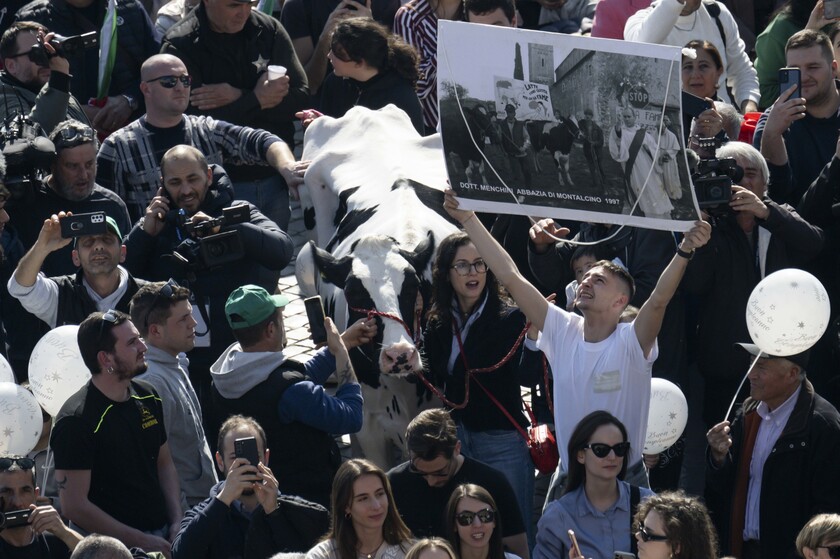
127	162
775	465
113	464
99	284
32	88
44	536
422	485
163	315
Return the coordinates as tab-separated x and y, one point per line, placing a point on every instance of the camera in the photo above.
210	251
28	153
713	182
14	518
64	47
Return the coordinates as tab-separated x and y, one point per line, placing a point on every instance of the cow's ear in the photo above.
334	271
422	253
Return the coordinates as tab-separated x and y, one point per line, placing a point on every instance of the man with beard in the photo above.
100	284
113	466
797	135
40	91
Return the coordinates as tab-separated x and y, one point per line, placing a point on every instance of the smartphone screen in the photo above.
789	77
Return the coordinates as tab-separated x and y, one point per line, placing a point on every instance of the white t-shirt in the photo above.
611	375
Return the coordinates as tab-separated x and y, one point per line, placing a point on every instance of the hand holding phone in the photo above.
80	225
247	448
575	546
315	315
789	77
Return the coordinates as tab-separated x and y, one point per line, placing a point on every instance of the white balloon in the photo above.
6	373
787	312
20	420
667	416
56	368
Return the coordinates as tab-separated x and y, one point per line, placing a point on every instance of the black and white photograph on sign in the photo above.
553	125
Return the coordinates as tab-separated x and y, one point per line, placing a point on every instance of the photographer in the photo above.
752	236
189	184
34	83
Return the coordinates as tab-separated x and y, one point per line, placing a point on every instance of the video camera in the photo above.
14	518
209	251
64	47
713	182
28	153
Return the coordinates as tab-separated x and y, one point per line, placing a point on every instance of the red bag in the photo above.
542	445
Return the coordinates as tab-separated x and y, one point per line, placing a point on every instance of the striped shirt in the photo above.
416	22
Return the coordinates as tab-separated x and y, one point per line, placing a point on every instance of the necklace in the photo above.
372	554
693	23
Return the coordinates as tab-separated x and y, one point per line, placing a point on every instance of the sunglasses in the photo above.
463	268
75	135
602	450
466	517
648	537
441	473
833	550
171	81
24	463
110	316
166	290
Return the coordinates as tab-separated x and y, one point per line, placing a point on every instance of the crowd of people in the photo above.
197	436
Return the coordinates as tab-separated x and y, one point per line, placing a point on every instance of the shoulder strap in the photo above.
635	497
714	10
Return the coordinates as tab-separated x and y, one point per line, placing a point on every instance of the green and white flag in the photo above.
107	50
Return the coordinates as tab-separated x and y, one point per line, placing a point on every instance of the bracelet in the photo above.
684	254
472	215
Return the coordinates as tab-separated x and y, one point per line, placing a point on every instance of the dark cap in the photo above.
800	359
509	108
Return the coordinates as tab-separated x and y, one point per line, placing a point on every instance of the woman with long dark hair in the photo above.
472	524
598	450
793	16
672	525
473	325
364	521
372	68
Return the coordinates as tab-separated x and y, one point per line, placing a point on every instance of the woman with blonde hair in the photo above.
364	520
820	538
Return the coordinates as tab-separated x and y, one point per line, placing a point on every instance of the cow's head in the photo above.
383	276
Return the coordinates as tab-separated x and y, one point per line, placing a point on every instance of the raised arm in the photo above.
527	297
649	321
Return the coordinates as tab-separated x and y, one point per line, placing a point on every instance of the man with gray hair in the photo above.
752	236
97	546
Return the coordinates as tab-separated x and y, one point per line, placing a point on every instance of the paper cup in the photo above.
275	72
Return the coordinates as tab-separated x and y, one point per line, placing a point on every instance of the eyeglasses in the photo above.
602	450
24	53
170	81
463	268
440	473
833	550
466	517
75	135
166	290
23	462
648	537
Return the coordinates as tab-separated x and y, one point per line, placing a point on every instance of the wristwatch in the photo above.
688	255
132	102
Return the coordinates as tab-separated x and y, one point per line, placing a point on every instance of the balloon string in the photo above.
48	465
743	380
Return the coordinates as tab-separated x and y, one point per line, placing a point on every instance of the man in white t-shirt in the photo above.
597	363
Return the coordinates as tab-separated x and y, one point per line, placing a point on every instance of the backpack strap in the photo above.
635	497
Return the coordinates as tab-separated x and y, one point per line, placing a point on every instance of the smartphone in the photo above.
831	9
789	77
623	555
247	448
693	105
575	545
315	314
80	225
14	518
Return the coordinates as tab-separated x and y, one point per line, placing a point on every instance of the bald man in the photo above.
128	160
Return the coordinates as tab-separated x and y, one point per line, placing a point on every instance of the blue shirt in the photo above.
599	534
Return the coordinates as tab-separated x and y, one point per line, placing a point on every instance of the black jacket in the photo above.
136	41
265	247
212	530
799	478
339	95
75	304
240	59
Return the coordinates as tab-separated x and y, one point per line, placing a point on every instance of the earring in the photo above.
110	370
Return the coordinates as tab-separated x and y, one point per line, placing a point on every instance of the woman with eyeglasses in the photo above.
472	524
597	504
820	538
364	522
472	324
672	525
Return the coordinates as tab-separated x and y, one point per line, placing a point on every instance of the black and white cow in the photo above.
374	197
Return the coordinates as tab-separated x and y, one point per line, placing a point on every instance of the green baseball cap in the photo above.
251	304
